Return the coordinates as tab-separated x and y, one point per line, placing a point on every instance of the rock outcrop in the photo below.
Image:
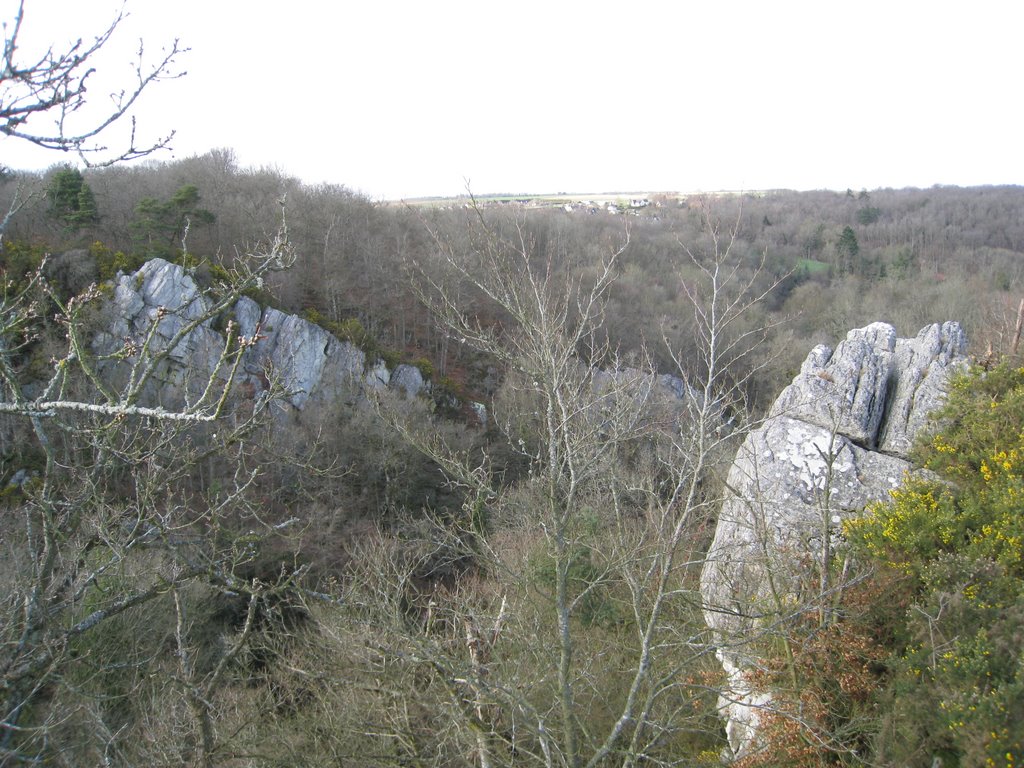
313	367
656	387
836	439
156	305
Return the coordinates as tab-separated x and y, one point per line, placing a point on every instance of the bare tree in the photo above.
557	621
54	85
124	504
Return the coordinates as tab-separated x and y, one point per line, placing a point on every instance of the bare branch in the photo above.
55	84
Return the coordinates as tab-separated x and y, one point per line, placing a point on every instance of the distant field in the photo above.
813	266
558	198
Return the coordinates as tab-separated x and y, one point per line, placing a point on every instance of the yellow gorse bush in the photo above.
955	540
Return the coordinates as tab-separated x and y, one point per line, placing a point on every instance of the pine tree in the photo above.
86	213
158	226
847	249
71	199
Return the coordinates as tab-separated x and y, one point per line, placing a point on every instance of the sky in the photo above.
407	99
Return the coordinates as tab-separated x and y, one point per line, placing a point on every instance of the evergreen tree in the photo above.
158	226
847	249
86	213
71	199
868	215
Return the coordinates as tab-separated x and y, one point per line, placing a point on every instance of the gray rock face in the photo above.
248	315
835	440
846	388
160	293
295	352
922	368
312	366
872	377
377	377
156	306
666	391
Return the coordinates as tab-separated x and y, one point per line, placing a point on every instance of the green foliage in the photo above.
812	266
25	457
847	245
868	215
158	226
350	330
18	261
959	541
982	421
109	262
208	274
71	199
589	585
448	397
904	263
425	366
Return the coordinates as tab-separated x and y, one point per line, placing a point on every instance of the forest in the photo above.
842	260
400	584
503	570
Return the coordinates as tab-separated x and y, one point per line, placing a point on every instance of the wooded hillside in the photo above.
845	259
395	581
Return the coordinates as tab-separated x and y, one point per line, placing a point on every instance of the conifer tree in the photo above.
71	199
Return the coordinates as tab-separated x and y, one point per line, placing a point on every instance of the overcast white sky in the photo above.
404	99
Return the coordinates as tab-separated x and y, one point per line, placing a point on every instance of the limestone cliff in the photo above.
312	366
836	439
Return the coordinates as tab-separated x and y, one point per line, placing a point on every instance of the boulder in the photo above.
836	439
408	379
377	377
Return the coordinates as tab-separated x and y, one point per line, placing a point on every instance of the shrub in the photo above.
425	367
109	263
959	540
